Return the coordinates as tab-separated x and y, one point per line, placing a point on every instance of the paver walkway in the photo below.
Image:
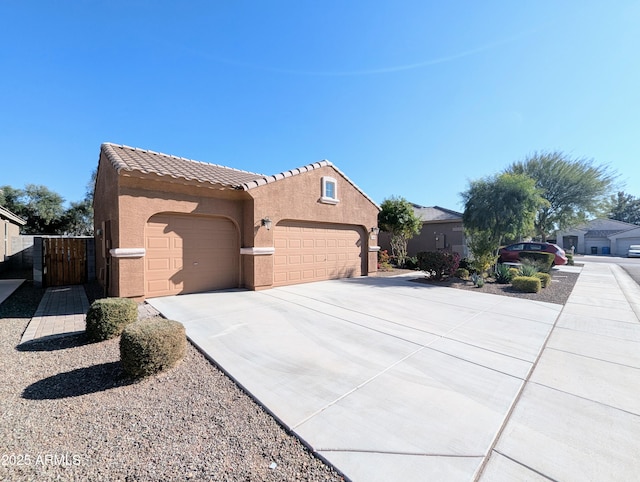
61	311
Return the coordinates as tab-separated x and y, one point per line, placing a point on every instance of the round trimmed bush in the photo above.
107	317
462	273
545	279
526	284
151	345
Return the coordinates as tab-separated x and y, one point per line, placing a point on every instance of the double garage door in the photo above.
190	254
306	252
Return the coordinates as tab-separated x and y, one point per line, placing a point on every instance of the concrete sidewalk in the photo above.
61	311
578	417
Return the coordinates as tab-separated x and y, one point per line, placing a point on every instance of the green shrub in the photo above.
465	263
438	264
384	261
528	268
411	262
526	284
503	274
151	345
543	259
462	273
477	280
545	279
514	272
107	317
570	261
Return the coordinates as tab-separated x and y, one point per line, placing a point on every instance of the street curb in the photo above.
629	287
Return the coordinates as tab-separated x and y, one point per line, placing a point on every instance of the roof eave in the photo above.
263	181
13	217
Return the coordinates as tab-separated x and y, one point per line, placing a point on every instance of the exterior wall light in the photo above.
266	222
375	230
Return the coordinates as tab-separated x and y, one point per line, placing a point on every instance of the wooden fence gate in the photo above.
64	261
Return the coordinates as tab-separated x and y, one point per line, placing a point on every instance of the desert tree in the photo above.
573	188
496	208
398	218
623	207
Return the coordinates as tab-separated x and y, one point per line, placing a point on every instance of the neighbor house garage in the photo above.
168	225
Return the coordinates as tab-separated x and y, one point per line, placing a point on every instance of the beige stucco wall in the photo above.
8	230
105	214
129	202
426	241
298	198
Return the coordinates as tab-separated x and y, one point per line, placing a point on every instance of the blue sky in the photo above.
410	98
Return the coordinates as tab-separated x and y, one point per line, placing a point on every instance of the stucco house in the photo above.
600	236
168	225
10	226
442	229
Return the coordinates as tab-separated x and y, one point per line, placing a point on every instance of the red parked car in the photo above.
511	253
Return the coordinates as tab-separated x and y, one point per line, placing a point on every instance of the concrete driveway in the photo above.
385	378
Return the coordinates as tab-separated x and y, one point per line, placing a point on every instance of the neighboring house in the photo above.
166	225
441	230
600	236
11	225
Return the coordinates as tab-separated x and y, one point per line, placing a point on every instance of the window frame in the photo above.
324	198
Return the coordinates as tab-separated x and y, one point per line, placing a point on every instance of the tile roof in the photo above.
436	213
603	233
125	158
299	170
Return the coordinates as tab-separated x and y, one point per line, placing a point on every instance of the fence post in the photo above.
38	261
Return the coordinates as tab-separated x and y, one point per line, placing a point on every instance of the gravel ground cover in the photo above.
67	413
557	292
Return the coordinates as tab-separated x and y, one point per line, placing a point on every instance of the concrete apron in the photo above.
384	378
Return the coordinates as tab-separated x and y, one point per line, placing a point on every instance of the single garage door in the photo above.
622	245
307	252
189	254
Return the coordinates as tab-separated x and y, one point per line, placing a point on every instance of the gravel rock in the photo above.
68	413
558	292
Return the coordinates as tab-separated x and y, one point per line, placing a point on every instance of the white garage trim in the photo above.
257	251
127	252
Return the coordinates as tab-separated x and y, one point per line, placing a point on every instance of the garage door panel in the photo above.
157	243
187	254
158	285
160	263
313	252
